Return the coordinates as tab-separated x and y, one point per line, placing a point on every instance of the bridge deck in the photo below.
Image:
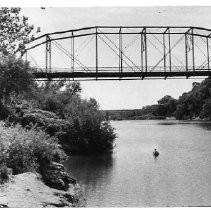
119	75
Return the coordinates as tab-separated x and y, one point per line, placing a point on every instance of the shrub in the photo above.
4	176
24	150
61	112
92	134
4	111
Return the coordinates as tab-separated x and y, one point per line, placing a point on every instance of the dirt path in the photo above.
27	191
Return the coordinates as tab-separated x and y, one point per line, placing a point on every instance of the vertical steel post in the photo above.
193	56
96	51
208	54
145	43
46	55
186	52
142	56
121	54
120	50
73	49
164	52
169	50
49	48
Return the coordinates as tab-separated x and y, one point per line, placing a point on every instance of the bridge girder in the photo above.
102	33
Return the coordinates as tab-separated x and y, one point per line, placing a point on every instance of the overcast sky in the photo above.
123	94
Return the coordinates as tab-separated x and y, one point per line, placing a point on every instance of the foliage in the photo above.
15	77
49	121
192	105
92	134
195	103
168	104
24	150
4	176
74	121
84	130
52	96
14	31
206	109
4	112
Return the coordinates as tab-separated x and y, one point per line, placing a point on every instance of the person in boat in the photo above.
155	153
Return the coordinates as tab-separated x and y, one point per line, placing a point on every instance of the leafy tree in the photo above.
15	77
53	96
169	105
14	34
14	31
195	103
90	132
206	110
73	88
195	84
93	134
160	110
164	100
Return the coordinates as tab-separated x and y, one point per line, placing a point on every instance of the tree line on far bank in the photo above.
195	104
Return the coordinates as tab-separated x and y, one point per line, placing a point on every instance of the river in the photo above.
132	177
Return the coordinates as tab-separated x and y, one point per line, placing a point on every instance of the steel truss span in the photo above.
122	53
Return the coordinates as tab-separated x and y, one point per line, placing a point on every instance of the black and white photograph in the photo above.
105	105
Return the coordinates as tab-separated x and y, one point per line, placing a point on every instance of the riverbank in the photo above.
167	119
24	151
141	118
27	190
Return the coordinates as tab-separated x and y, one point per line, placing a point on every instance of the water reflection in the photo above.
168	123
92	172
206	126
155	157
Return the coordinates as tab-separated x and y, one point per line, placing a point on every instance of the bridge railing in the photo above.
127	69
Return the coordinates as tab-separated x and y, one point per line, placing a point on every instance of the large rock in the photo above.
55	176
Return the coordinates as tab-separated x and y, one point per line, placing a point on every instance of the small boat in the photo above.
155	153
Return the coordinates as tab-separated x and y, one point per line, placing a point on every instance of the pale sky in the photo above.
123	94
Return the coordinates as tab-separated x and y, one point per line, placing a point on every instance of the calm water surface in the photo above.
132	177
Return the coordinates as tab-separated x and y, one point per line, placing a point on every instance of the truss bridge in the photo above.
121	53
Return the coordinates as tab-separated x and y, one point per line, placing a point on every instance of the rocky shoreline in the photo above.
32	190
